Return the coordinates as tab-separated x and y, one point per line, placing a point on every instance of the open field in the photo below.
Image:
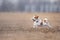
17	26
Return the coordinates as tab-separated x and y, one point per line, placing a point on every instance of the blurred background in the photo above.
30	5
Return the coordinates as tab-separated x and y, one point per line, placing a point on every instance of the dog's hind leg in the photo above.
49	25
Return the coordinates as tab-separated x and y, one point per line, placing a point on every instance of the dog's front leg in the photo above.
34	26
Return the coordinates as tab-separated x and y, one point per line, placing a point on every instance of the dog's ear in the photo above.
33	19
46	19
36	16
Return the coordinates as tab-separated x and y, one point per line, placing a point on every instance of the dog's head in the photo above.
45	19
35	18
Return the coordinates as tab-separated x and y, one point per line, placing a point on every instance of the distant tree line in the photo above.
29	6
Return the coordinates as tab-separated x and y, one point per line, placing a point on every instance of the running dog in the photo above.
39	22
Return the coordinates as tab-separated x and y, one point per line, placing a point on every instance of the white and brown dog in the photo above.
36	21
39	22
46	23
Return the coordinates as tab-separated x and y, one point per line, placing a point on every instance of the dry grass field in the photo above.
18	26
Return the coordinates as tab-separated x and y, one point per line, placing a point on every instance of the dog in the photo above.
36	21
46	23
39	22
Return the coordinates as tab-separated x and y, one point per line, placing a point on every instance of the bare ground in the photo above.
16	26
